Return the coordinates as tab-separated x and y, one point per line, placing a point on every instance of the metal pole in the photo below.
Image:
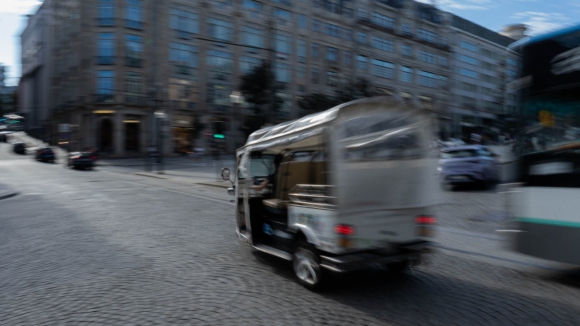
270	113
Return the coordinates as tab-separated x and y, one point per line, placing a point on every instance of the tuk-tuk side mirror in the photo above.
226	174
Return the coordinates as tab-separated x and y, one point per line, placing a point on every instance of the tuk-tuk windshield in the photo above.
260	166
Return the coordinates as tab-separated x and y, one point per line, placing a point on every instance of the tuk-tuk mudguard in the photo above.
309	234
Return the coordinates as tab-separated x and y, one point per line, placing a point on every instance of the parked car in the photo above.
4	136
453	142
45	154
473	164
19	148
81	160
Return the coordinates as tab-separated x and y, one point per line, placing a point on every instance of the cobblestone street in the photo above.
104	248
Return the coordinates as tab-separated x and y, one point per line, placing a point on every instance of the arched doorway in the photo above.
106	133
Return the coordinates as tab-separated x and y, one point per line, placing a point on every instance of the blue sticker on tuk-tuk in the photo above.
267	229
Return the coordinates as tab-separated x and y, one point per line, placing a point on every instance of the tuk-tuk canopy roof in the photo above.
313	124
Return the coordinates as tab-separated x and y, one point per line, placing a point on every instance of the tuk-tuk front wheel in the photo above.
307	267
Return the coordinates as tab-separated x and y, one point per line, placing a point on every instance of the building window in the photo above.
134	15
512	62
361	62
332	6
347	58
220	29
490	54
407	50
183	55
248	64
332	79
407	74
134	44
469	87
223	4
316	25
407	29
283	44
468	46
427	57
317	3
105	85
469	101
488	66
468	59
220	61
106	13
383	44
429	36
302	22
283	72
315	75
284	2
301	72
106	49
361	37
468	73
282	15
432	80
134	87
362	13
253	36
333	30
511	73
487	91
252	5
219	94
301	51
315	50
443	61
331	54
383	21
184	22
383	69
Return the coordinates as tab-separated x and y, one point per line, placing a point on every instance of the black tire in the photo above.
306	265
399	267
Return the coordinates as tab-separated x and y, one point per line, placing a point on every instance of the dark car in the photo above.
4	136
45	154
19	148
81	160
473	164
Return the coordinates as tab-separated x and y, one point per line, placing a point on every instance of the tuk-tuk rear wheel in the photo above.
307	267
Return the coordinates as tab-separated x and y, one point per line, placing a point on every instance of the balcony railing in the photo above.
105	60
135	100
106	21
183	70
133	62
104	98
133	24
183	35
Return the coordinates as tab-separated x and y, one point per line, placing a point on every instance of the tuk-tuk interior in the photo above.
301	164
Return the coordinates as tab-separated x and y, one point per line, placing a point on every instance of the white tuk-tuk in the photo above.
349	187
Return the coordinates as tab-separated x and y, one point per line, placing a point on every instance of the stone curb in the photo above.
8	193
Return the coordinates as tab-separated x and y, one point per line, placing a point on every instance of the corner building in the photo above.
114	63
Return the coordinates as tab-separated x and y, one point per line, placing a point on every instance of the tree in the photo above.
316	102
256	87
359	88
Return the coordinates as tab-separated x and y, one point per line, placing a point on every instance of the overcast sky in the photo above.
540	15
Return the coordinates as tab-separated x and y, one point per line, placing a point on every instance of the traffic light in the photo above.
219	136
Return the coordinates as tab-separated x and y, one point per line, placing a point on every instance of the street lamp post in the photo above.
160	117
237	99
